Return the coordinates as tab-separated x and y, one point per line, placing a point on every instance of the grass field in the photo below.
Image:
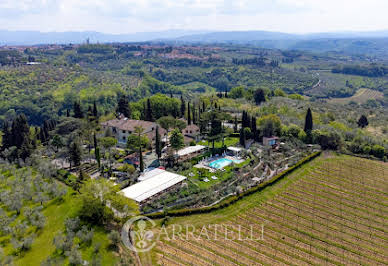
331	211
361	96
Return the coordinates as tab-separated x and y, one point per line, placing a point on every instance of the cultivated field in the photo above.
361	96
332	211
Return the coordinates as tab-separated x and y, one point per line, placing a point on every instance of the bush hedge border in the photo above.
232	199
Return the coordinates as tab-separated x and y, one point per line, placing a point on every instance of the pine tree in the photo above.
158	146
308	125
77	110
183	107
363	121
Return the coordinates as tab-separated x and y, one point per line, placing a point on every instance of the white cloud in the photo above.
120	16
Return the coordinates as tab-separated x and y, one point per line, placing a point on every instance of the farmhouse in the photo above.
152	184
191	133
123	127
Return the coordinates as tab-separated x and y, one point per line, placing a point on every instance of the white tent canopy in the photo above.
190	149
235	149
158	181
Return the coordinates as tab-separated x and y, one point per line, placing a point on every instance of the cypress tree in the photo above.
95	111
188	114
203	106
77	110
75	153
20	131
242	137
141	159
183	107
95	140
254	129
259	96
7	136
235	128
42	136
90	112
148	111
123	106
67	113
144	114
158	146
194	115
98	156
308	125
363	121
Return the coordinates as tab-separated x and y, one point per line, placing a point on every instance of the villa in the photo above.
123	127
191	133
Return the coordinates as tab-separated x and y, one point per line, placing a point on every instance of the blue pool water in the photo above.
220	163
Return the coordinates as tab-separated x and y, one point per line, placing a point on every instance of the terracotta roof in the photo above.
192	127
129	124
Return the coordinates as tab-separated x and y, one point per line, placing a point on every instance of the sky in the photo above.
130	16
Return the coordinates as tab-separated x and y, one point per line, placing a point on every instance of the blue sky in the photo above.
128	16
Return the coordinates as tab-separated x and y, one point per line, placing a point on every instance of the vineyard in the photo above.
333	210
361	96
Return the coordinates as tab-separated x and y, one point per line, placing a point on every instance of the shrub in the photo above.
378	151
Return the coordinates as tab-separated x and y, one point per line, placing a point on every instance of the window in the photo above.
123	137
124	131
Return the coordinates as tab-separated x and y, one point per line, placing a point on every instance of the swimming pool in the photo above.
220	163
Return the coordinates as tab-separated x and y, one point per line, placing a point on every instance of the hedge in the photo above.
232	199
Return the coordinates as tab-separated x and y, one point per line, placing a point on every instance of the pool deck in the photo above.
205	163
